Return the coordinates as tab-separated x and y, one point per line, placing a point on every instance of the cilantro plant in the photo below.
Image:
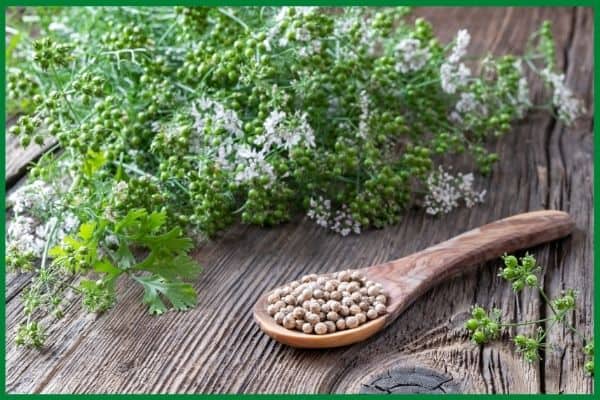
171	124
485	326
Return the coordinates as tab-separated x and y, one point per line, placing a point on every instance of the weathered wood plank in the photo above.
18	158
217	347
570	153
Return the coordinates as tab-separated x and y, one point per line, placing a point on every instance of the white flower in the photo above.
343	26
219	115
445	191
34	206
410	56
463	38
120	190
205	110
281	131
253	165
569	107
340	222
467	103
453	73
70	222
453	76
522	102
59	27
37	196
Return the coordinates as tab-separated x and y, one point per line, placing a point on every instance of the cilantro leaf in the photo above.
172	241
86	231
93	163
182	296
131	219
170	267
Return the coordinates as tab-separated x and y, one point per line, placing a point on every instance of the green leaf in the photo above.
182	266
57	252
182	296
172	241
131	219
124	256
106	267
86	231
93	162
156	220
12	45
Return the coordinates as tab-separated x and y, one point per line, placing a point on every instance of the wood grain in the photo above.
216	348
19	159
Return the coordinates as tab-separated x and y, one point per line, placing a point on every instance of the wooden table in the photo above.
217	347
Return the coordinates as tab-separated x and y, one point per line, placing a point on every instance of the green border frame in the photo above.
594	4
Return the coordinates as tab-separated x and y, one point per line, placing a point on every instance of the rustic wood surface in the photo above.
217	347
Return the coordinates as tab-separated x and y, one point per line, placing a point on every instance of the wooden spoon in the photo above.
408	278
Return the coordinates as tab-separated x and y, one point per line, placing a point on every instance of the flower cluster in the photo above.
445	191
410	55
454	73
339	221
568	106
32	224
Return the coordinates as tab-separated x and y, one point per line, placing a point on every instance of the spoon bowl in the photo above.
409	277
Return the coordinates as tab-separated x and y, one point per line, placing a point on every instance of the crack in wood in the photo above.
410	380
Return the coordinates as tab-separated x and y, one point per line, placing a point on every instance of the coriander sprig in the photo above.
484	326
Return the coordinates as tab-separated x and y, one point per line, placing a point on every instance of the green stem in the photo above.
539	321
547	300
233	17
136	170
59	85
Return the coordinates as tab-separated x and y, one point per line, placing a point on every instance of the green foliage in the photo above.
103	251
484	326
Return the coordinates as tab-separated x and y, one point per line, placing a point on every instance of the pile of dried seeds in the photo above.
326	304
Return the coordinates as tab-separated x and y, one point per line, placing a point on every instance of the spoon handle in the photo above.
420	271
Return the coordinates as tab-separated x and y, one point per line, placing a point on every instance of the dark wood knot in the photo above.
410	380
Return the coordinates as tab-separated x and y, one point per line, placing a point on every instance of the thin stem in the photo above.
233	17
138	171
547	300
539	321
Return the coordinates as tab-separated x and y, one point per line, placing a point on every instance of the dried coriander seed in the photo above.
330	326
344	311
351	322
289	322
320	328
307	328
298	313
279	317
332	316
361	317
372	314
327	304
